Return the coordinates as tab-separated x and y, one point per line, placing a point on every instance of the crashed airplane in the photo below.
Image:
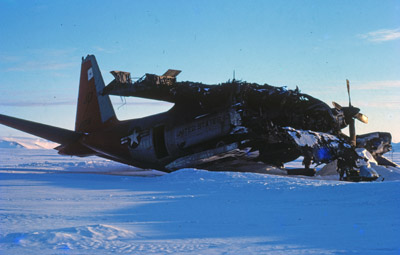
212	124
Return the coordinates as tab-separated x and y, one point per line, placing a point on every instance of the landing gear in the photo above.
307	171
353	174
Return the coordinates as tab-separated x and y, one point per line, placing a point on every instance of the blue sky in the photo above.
315	45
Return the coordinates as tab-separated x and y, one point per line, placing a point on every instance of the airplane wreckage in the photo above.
210	125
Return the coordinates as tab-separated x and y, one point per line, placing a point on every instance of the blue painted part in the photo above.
324	154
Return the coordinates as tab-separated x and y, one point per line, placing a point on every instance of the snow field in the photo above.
51	204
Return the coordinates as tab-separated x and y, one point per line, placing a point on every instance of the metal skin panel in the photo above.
200	130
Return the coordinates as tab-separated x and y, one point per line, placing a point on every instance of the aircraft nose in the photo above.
387	137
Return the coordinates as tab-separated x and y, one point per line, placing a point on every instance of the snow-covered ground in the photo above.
50	204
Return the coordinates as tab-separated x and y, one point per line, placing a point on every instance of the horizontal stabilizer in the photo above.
54	134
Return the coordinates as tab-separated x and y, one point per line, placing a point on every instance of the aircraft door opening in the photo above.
159	141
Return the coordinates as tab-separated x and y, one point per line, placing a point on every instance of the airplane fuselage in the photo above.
156	141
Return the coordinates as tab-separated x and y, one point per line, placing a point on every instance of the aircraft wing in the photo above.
54	134
142	89
163	88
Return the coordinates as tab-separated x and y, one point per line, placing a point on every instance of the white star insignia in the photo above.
132	139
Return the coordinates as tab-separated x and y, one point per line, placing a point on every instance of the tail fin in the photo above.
94	110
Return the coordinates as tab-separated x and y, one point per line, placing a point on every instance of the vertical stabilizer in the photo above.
94	111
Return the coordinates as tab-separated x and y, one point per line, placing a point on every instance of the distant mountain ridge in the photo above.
25	142
9	145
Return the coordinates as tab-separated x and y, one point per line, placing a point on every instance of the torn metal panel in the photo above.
122	77
200	158
171	73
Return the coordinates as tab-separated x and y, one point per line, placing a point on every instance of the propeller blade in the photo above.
361	117
348	91
336	105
